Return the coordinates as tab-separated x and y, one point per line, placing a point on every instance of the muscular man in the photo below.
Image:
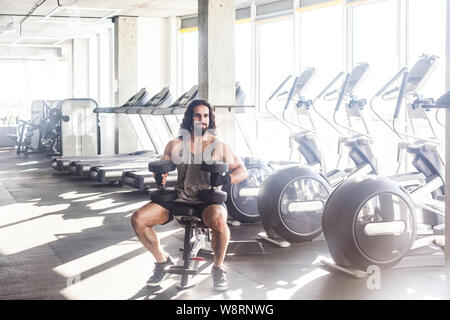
197	142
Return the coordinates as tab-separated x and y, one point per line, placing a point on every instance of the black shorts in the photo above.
200	206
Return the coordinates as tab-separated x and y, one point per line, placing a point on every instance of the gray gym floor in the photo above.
62	237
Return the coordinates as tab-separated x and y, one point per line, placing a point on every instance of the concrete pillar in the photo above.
126	70
216	63
447	143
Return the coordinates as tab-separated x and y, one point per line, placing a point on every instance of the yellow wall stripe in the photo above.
274	19
243	20
186	30
354	3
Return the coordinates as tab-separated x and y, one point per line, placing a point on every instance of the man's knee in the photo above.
148	216
216	218
137	218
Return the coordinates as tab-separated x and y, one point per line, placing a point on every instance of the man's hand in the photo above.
221	180
164	177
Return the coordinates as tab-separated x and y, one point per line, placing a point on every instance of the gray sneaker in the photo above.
220	282
159	274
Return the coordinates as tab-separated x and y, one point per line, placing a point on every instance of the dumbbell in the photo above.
159	167
213	195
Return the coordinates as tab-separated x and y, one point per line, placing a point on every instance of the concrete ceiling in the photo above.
24	27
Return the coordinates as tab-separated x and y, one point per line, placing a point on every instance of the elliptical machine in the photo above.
373	220
291	200
242	201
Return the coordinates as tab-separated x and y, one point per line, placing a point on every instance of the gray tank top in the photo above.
191	179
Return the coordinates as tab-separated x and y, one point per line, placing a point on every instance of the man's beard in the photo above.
199	130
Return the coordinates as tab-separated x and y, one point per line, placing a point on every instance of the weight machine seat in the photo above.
188	215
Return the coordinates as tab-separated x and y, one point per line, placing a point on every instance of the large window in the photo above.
426	30
323	48
427	36
276	58
13	92
375	43
243	62
386	34
189	60
27	80
276	61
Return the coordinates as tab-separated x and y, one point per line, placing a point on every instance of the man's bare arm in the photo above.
167	156
238	170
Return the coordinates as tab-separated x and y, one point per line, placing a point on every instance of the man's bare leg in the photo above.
143	220
215	217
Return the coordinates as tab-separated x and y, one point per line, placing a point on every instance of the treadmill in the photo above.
143	180
113	173
163	98
141	98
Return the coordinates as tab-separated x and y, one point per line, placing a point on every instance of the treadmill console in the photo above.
188	96
136	98
159	97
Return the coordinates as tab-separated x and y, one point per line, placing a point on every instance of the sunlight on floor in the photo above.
30	234
75	195
120	281
21	212
27	163
128	208
104	204
99	257
28	170
101	196
287	293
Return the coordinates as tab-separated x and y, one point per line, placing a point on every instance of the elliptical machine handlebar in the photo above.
279	87
340	74
401	94
271	97
398	107
343	91
291	93
382	92
342	94
389	83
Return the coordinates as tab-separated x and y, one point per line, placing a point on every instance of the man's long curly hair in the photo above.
188	119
